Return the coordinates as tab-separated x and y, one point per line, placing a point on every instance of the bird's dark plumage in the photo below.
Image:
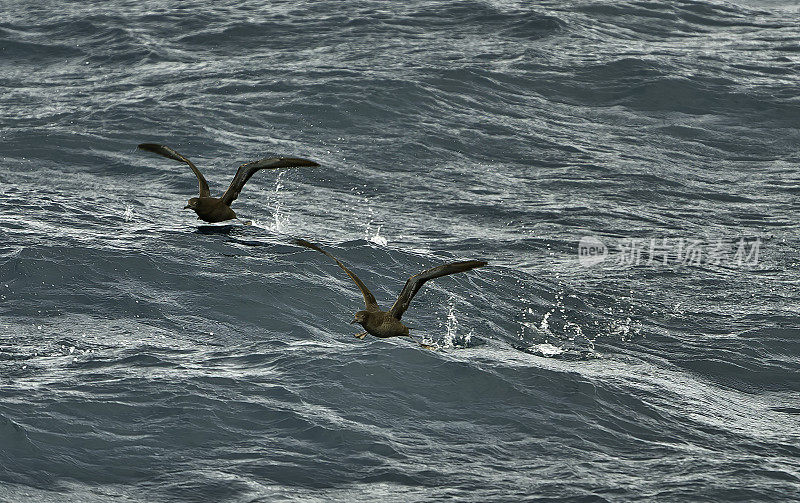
369	299
245	171
387	323
415	282
171	154
217	209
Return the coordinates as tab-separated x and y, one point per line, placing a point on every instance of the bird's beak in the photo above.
187	207
354	322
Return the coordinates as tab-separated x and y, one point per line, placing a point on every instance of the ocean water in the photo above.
629	170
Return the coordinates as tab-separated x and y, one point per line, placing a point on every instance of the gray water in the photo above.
146	356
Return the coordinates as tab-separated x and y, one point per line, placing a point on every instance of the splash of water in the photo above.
377	238
370	213
547	350
626	330
451	325
452	338
280	219
568	337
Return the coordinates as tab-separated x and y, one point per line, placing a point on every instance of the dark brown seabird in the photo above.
218	209
385	324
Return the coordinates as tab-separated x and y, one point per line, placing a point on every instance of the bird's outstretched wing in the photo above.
245	171
369	299
415	282
171	154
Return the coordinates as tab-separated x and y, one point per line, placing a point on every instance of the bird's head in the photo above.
360	318
192	204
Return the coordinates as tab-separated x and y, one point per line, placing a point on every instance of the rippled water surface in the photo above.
146	356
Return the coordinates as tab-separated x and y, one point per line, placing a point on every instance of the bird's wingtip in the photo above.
474	263
299	162
151	147
307	244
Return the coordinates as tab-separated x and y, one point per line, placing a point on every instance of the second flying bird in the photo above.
385	324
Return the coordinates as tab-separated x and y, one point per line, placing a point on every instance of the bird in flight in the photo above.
218	209
385	324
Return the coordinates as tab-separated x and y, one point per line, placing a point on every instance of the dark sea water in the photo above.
148	357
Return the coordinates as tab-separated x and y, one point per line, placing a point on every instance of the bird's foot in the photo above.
432	347
247	222
361	335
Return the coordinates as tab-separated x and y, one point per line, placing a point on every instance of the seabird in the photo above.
385	324
218	209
